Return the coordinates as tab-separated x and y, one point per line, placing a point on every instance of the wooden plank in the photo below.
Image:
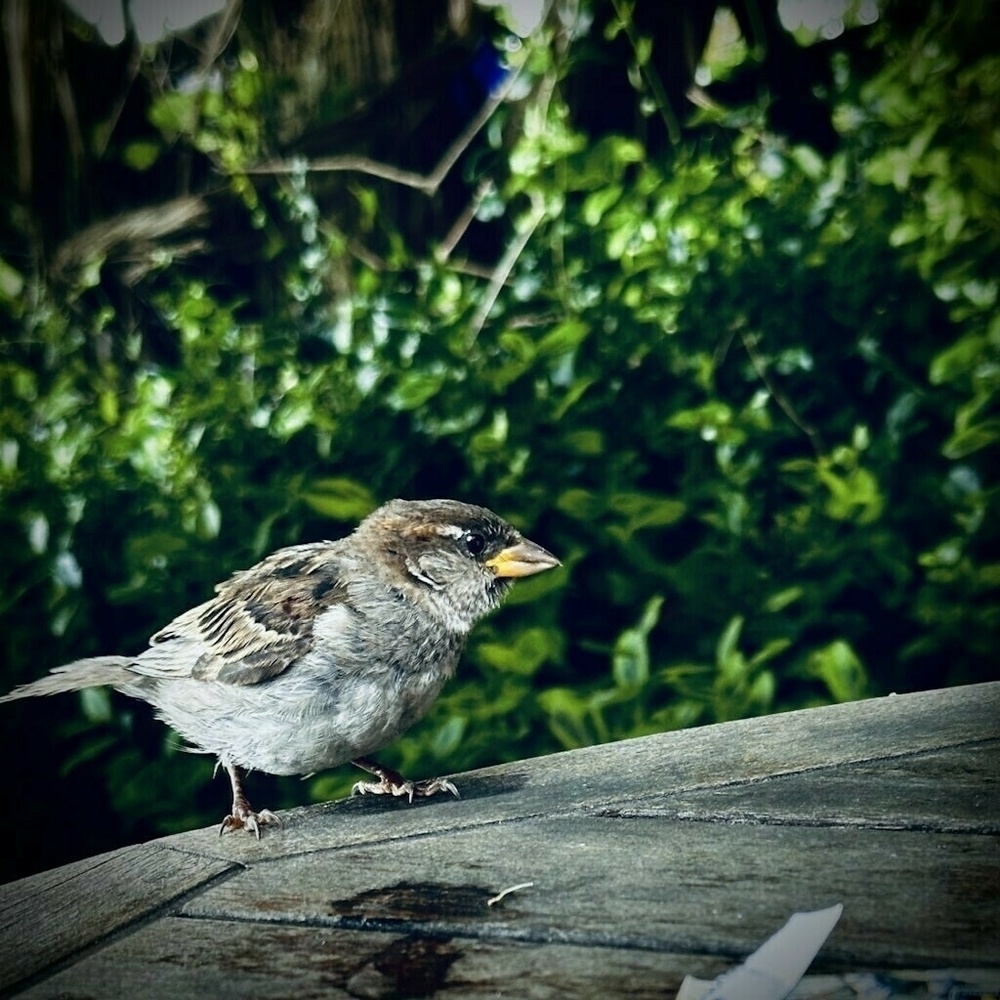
680	844
176	959
948	791
47	917
911	898
621	773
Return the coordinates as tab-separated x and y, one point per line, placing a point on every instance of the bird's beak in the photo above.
522	559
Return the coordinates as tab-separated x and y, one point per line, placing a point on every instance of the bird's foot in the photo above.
393	783
411	789
243	817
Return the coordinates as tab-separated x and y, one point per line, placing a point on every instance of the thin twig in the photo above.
18	49
471	268
722	348
503	269
224	28
462	223
359	164
506	892
66	100
779	397
104	132
652	79
367	257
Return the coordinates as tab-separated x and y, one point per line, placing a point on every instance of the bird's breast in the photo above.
360	685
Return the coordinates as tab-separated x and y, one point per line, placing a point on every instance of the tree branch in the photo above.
427	183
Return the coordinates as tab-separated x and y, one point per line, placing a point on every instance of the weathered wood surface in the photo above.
649	859
45	918
178	959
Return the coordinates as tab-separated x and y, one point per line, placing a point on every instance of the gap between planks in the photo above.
169	907
402	927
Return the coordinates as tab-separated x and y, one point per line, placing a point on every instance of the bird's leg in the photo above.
393	783
242	816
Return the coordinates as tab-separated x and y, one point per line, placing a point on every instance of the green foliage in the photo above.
747	393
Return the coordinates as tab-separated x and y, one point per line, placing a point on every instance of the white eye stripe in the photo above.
450	530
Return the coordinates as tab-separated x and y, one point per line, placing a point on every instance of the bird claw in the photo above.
243	817
395	785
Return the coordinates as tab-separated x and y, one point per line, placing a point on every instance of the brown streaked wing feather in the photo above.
261	619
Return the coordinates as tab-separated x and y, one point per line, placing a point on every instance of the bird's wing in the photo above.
260	621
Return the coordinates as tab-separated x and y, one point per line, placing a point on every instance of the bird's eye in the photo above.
474	543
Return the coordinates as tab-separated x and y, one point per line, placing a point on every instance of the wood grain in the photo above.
176	959
910	898
47	917
956	790
623	773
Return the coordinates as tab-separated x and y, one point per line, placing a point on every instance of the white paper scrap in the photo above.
772	971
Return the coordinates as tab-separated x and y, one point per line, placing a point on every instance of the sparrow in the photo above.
325	652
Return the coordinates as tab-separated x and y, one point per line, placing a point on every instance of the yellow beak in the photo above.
522	559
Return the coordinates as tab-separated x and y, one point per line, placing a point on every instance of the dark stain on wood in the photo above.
414	901
408	968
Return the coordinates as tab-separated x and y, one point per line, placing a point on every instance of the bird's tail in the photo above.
91	672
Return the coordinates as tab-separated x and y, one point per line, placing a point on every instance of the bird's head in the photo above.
455	559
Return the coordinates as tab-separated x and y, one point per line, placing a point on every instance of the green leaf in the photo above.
532	647
572	397
141	155
598	202
710	416
176	112
781	600
338	497
908	231
630	658
536	588
761	693
625	149
447	738
96	705
584	442
209	520
646	510
838	666
293	414
958	360
584	505
854	496
567	713
643	50
726	651
808	161
415	388
770	649
567	336
630	663
11	282
971	439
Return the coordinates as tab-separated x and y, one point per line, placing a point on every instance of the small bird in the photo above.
323	653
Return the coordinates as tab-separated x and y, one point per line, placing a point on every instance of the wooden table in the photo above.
647	860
